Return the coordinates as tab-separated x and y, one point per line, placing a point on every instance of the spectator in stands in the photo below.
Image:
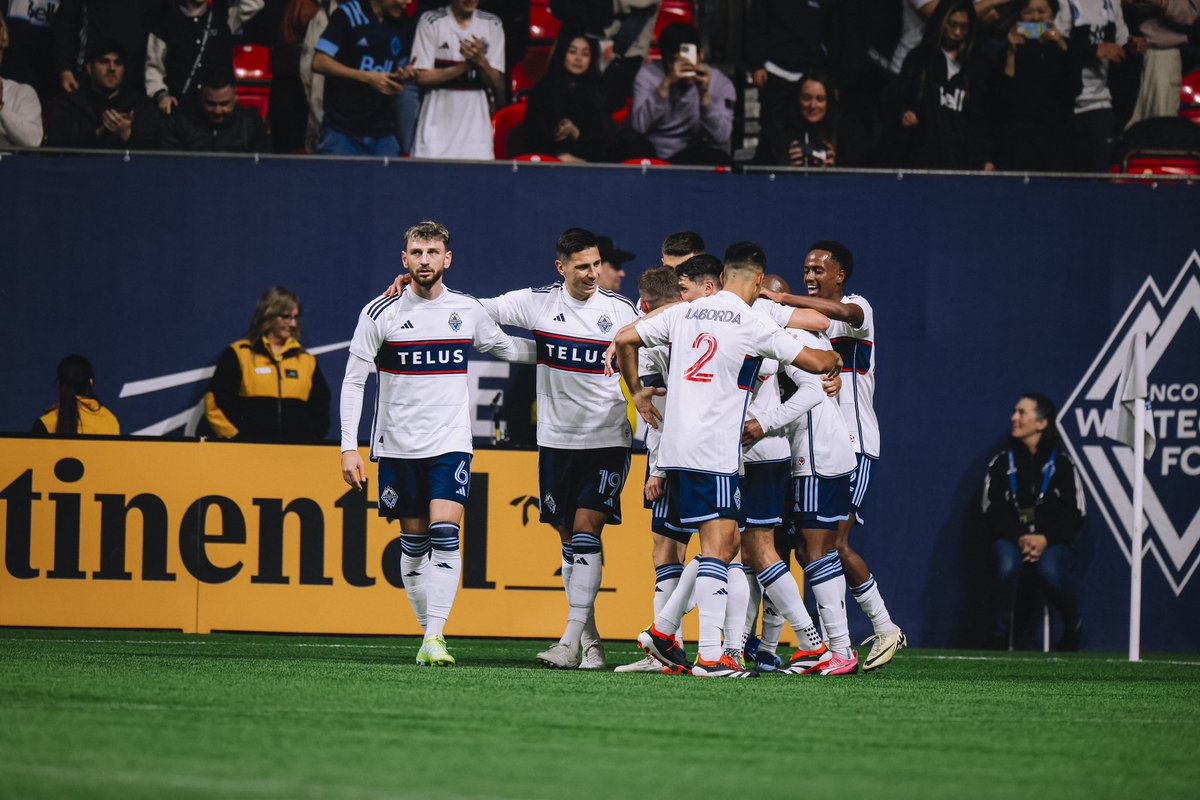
20	111
106	113
807	133
612	264
1035	97
30	56
365	55
267	388
684	109
289	99
1164	26
213	122
940	108
314	82
1034	505
1098	37
459	57
784	44
566	115
188	39
78	411
918	13
81	24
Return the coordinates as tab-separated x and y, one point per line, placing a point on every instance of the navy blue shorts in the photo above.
820	503
696	497
765	492
664	521
569	480
860	482
407	485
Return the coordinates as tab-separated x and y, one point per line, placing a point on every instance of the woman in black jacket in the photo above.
1034	505
1035	93
566	116
807	135
940	109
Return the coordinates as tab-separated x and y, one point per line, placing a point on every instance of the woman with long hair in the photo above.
566	116
940	106
807	134
78	411
266	387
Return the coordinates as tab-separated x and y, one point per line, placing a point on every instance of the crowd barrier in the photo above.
984	287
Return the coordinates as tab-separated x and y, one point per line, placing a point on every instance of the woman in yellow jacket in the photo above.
78	411
267	388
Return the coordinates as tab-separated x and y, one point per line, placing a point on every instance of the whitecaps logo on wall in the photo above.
1171	321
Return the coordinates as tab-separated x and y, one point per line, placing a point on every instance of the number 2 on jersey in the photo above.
694	373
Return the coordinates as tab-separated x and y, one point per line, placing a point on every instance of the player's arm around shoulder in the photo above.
489	337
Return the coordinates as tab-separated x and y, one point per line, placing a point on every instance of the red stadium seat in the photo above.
621	114
530	70
673	11
504	123
1189	97
543	26
647	162
252	68
536	157
1159	162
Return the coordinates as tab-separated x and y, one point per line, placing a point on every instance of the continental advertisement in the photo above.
216	536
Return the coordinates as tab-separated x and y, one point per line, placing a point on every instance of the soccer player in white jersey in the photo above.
827	267
421	434
717	344
583	426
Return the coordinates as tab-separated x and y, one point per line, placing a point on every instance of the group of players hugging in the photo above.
761	436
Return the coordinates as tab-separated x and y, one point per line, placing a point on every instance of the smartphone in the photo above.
689	53
1031	30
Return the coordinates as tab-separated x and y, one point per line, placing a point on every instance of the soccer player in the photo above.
827	268
680	246
583	427
421	435
718	342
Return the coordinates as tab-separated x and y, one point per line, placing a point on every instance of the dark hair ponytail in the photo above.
75	378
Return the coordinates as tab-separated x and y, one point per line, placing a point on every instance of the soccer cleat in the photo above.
665	649
559	656
804	660
835	665
750	648
724	667
767	662
593	656
883	648
433	653
647	664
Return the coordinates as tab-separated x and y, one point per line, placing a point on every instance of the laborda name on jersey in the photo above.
570	353
856	353
438	357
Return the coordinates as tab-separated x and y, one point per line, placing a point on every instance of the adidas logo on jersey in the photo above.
363	42
407	324
462	490
560	318
443	46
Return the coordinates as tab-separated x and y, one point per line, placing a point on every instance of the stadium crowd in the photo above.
995	84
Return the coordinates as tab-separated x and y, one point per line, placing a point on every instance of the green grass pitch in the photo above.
135	714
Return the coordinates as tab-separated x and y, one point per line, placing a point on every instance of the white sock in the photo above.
667	618
871	602
666	578
712	593
828	585
735	608
445	572
784	596
752	606
413	567
568	561
585	585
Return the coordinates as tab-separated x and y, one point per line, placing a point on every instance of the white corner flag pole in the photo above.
1135	547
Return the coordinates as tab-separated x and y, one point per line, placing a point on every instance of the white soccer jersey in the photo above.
717	343
765	395
653	365
578	407
856	346
455	120
812	421
420	350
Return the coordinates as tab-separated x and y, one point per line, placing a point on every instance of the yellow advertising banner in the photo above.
204	536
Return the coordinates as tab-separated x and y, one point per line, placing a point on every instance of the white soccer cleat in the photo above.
593	656
559	656
883	648
647	664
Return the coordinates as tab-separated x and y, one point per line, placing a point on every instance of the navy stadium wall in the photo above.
983	287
